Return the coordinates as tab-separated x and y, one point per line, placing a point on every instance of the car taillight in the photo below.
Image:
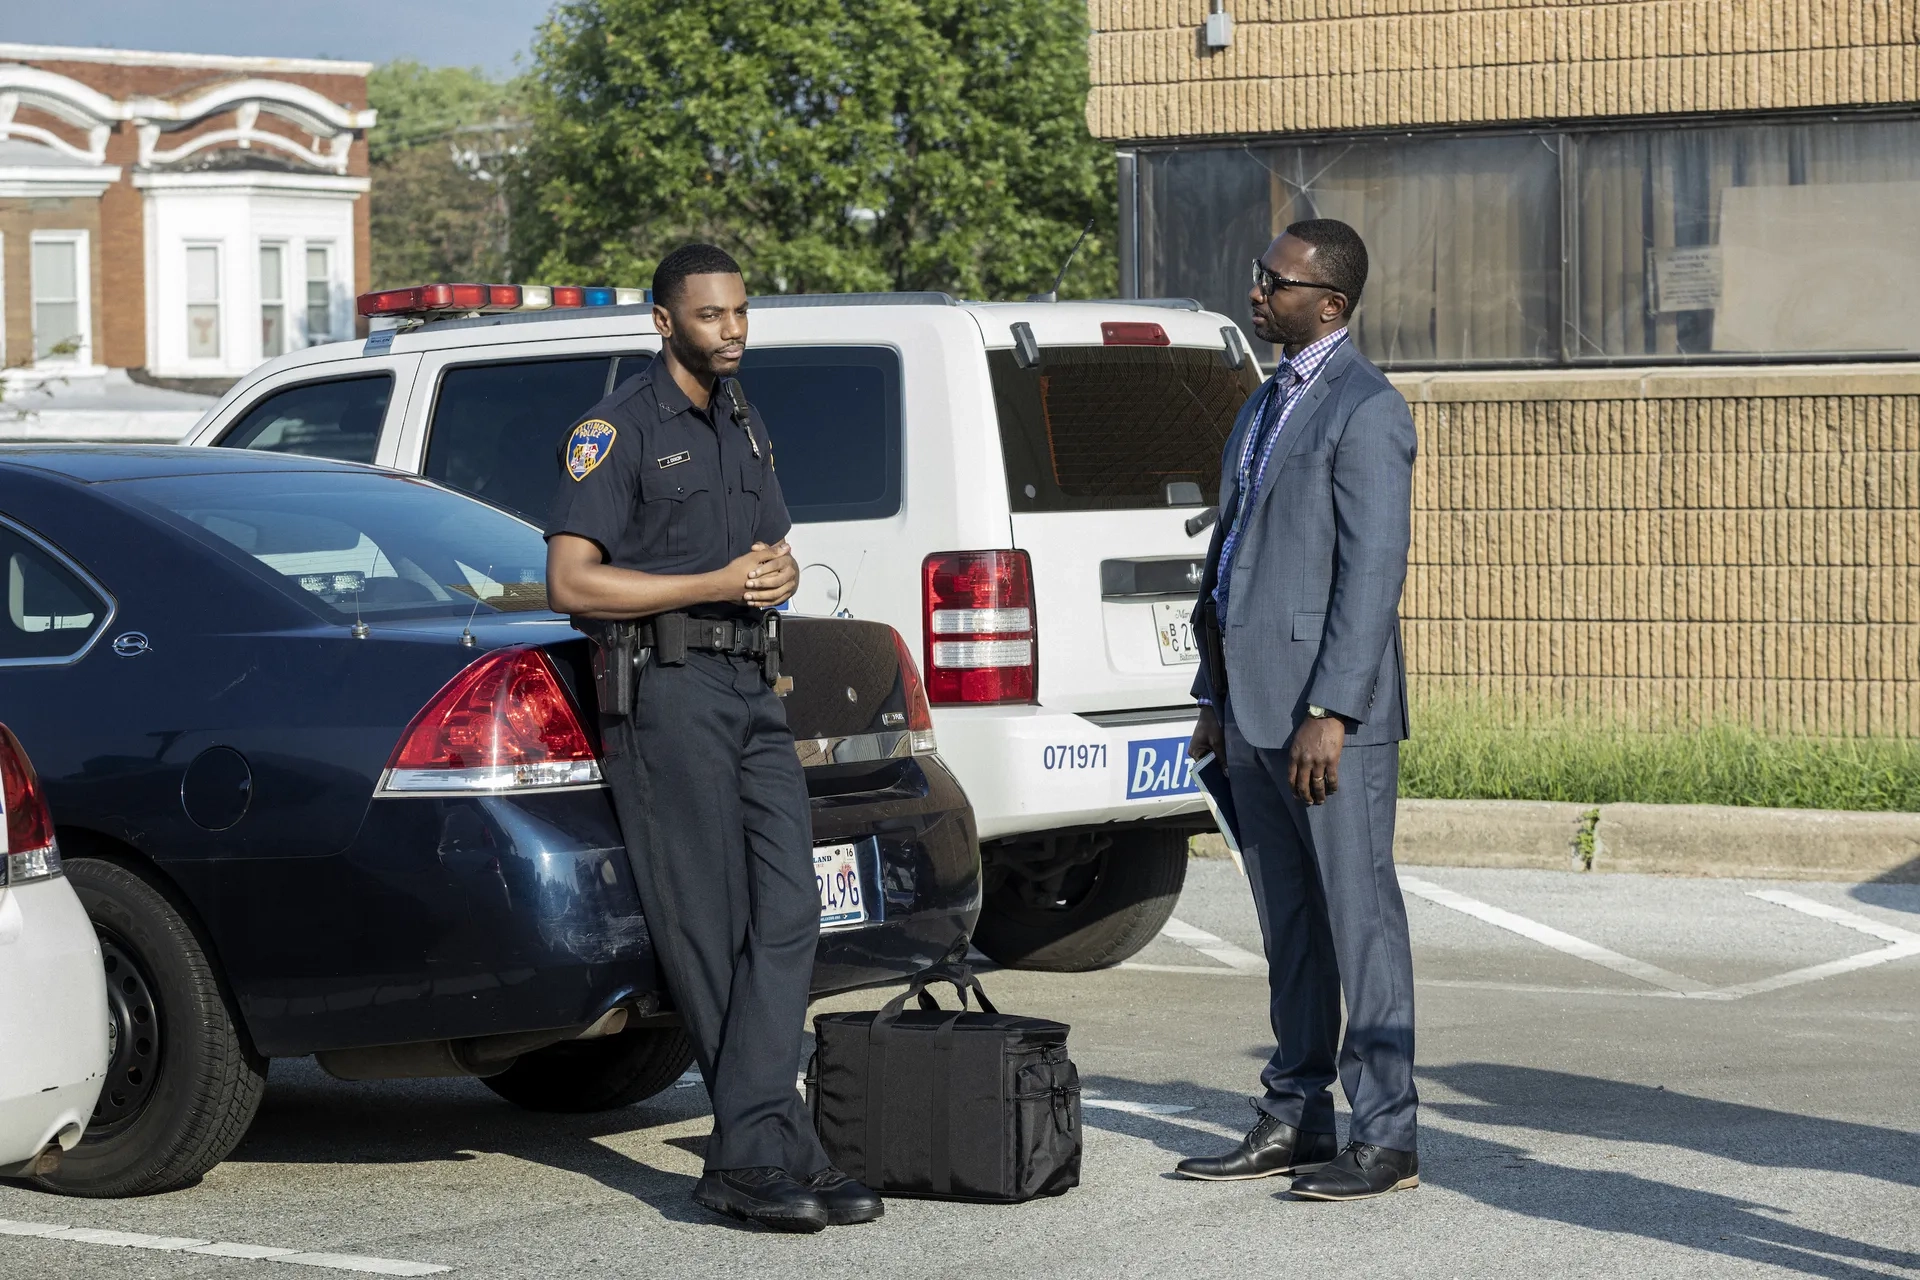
503	724
980	629
26	825
919	714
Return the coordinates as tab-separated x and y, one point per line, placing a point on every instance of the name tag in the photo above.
673	459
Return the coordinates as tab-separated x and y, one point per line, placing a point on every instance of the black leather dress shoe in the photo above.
1359	1173
847	1201
1269	1148
771	1197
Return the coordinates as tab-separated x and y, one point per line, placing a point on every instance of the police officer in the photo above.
669	513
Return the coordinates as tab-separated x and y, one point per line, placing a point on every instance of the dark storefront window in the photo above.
1710	242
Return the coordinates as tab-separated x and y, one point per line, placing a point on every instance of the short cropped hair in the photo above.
1338	252
670	277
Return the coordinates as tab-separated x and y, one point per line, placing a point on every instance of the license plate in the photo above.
836	872
1174	632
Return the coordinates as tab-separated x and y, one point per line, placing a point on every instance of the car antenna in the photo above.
1053	294
466	632
360	629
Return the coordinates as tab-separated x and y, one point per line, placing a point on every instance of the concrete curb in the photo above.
1661	839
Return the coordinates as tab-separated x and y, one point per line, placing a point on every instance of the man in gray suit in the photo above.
1303	695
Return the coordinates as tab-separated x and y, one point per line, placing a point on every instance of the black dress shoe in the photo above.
1359	1173
1268	1149
847	1201
771	1197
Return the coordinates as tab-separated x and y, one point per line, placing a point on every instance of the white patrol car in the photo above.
1015	486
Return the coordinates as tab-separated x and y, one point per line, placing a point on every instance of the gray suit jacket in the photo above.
1313	607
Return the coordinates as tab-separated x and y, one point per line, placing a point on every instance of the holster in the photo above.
617	655
670	638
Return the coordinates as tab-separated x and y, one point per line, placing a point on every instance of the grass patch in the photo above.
1464	751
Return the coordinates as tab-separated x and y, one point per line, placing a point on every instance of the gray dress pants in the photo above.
1333	921
713	805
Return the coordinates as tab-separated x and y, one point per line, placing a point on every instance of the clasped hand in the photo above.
763	577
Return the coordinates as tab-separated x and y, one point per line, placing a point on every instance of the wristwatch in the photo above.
1318	713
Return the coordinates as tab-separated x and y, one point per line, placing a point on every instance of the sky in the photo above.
466	33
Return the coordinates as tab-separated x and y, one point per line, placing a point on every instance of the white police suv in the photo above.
1016	485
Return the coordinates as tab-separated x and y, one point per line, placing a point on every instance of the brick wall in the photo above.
120	240
1310	65
19	219
1673	549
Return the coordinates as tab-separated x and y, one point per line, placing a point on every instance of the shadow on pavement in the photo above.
1632	1200
308	1117
1897	890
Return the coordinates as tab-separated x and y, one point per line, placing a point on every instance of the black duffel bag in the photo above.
944	1103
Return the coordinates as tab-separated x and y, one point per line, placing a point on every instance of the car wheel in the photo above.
182	1082
596	1075
1085	902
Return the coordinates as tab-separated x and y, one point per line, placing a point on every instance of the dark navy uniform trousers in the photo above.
1333	919
713	804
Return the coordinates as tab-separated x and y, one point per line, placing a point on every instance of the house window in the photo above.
1706	240
203	302
319	293
273	300
60	296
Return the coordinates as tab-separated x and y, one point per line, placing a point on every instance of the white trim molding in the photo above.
146	58
22	182
330	126
253	182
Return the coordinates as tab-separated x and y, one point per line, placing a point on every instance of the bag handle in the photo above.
959	976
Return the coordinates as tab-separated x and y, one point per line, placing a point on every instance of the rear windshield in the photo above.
1106	428
364	546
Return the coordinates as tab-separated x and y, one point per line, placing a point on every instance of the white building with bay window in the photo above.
178	217
245	266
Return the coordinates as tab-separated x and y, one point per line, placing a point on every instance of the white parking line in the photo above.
1838	915
1904	944
1134	1108
1209	945
1548	936
218	1249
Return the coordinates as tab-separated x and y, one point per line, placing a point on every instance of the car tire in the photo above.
1110	908
183	1082
596	1075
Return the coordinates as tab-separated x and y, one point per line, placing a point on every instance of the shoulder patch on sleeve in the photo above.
589	446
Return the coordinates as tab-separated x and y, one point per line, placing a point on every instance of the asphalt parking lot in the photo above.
1620	1075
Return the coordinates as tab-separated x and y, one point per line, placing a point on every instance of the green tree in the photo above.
440	154
830	144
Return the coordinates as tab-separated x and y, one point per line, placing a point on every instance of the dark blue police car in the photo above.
323	769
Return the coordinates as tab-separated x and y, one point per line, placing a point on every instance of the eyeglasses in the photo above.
1266	281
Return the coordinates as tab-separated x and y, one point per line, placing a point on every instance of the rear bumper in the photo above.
53	1018
457	917
1030	769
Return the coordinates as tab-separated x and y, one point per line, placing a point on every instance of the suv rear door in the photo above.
1110	447
488	420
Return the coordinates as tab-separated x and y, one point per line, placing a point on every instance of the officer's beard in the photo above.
703	363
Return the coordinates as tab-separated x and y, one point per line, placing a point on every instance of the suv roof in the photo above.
617	321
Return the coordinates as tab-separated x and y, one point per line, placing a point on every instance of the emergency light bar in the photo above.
428	301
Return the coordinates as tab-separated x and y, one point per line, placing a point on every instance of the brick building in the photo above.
1649	273
184	215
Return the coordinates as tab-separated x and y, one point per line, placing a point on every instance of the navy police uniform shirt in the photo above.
664	487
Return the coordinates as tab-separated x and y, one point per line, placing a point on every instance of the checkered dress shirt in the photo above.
1291	378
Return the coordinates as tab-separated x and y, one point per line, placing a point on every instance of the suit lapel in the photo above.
1304	413
1230	456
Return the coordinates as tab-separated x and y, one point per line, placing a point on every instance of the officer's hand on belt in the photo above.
763	577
